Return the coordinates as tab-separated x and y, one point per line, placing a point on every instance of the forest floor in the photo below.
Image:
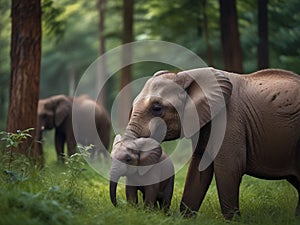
76	194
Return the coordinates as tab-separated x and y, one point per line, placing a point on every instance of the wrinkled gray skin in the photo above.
56	113
138	159
262	137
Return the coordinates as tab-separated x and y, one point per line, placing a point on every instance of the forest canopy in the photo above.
70	37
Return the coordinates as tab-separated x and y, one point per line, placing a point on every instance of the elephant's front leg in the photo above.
71	143
59	145
196	186
151	193
167	195
228	174
131	194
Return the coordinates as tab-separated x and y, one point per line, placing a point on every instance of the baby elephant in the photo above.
146	167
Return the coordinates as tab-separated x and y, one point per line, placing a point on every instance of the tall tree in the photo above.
102	70
25	69
263	41
209	51
125	98
4	59
231	47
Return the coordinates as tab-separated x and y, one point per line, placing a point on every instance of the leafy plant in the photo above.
14	139
75	167
75	164
42	211
15	177
53	25
21	164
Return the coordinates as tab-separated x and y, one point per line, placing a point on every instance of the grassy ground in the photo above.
70	195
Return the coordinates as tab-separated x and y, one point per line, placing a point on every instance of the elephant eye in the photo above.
127	159
156	109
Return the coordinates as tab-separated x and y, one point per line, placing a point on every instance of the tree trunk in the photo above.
231	47
263	42
126	98
101	5
209	51
72	77
25	70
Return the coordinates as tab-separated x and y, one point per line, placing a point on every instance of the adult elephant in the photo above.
261	129
56	112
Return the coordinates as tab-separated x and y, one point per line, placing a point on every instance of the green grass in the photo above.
70	195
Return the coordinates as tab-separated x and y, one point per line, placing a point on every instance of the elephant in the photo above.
130	158
261	136
56	112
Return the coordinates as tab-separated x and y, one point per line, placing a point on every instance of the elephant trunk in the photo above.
116	171
156	128
112	192
137	126
130	133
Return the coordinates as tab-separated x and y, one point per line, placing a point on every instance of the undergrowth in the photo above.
75	194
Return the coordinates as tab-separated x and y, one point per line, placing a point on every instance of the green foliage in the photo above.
65	61
10	155
31	208
14	139
75	194
53	24
70	37
285	34
5	27
75	166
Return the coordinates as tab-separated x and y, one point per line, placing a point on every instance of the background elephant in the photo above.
56	112
261	137
146	167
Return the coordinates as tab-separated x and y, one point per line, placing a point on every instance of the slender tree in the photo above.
209	51
101	5
263	42
231	47
25	70
125	98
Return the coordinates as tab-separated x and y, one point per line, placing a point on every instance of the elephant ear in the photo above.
150	153
114	149
62	108
161	72
208	93
117	139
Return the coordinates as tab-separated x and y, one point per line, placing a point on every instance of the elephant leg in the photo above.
296	183
196	186
167	195
71	144
151	193
131	194
228	179
59	145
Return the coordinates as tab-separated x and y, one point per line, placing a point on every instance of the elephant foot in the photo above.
230	214
187	212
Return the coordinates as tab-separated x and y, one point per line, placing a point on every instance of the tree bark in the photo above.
231	47
126	98
101	5
25	70
209	51
263	42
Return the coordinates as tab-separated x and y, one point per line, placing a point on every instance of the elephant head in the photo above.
52	112
174	105
131	156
